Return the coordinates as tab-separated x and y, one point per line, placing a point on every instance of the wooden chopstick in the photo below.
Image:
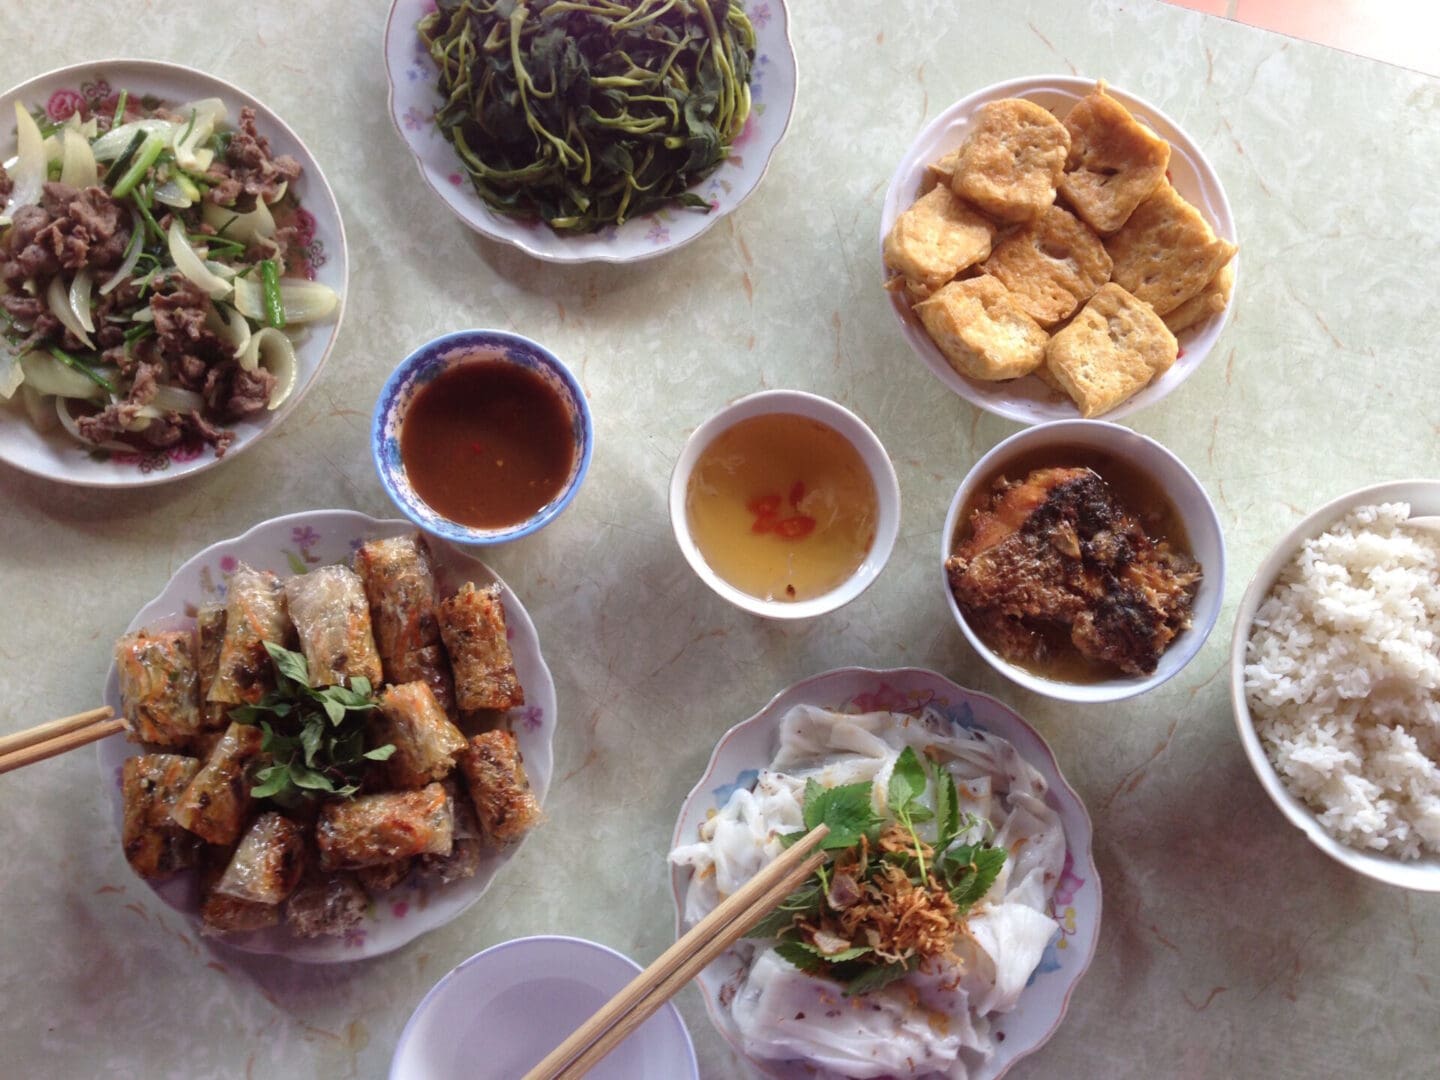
56	737
680	963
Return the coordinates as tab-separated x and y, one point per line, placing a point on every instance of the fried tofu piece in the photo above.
472	624
1010	163
1051	266
936	238
373	829
267	865
154	845
159	686
1115	346
425	740
216	803
942	170
1166	253
1115	161
495	774
1211	301
982	330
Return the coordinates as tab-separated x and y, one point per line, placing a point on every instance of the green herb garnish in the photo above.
841	924
75	363
587	114
315	736
270	288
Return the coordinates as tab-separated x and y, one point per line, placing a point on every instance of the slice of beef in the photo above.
22	308
6	185
251	163
232	393
87	228
208	433
180	308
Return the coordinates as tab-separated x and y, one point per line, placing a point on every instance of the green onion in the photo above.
144	158
217	245
120	104
270	282
142	203
188	128
138	331
83	368
113	174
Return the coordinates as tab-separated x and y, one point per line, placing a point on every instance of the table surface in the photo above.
1230	946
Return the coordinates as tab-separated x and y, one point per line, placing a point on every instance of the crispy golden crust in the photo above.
1209	301
267	865
1009	164
216	803
374	829
1115	162
159	695
1051	266
332	620
472	623
1166	252
495	775
150	783
1112	349
982	330
425	740
935	239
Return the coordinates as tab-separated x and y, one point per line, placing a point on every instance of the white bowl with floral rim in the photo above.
1028	399
95	84
750	746
296	544
414	97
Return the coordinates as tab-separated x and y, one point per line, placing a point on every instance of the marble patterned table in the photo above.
1230	947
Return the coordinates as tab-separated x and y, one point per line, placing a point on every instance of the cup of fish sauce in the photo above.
785	503
1083	561
481	436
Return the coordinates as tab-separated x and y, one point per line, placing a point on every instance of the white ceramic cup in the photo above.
1191	503
854	431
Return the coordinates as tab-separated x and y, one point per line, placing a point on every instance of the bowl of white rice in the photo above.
1335	681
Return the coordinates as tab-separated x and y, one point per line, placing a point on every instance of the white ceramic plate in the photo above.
1029	400
296	544
414	98
750	746
1422	875
497	1014
56	456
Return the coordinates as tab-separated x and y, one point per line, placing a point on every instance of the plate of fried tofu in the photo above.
386	814
1055	248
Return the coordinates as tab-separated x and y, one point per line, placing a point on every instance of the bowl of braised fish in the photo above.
1083	561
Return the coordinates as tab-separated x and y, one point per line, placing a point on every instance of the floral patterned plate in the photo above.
414	97
95	85
295	544
746	748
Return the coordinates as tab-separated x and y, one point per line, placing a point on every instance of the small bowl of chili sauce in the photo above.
481	436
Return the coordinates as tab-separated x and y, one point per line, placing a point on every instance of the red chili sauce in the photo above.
487	444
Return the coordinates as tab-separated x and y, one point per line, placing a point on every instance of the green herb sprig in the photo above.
315	737
965	871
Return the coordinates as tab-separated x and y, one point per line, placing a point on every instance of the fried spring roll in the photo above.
330	904
267	865
210	633
430	666
495	774
425	740
221	914
254	614
374	829
332	619
159	695
216	803
150	783
472	623
462	862
385	876
400	585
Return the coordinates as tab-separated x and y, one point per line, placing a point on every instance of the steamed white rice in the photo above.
1343	679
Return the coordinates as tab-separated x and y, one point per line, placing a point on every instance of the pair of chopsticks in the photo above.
56	737
680	963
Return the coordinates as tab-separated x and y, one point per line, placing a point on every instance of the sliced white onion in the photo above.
39	409
113	143
177	399
68	423
77	163
279	192
187	137
12	375
53	151
304	301
230	325
271	349
170	194
220	269
46	375
80	300
191	265
204	158
60	307
28	172
236	226
132	255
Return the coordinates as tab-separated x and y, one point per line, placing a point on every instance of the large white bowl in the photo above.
296	544
750	746
1422	875
1207	544
1029	400
500	1012
856	432
56	456
414	97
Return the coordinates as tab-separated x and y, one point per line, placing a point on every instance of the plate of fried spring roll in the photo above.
447	752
